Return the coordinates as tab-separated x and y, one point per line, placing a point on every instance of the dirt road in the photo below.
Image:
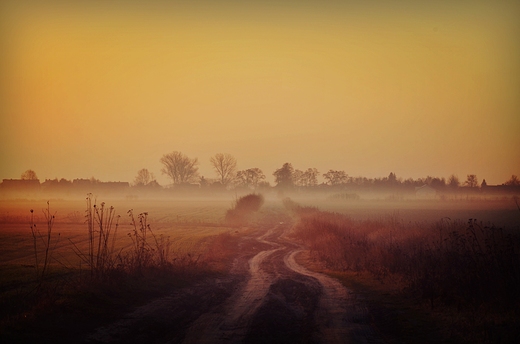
267	298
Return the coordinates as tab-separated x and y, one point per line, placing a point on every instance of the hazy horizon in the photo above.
105	90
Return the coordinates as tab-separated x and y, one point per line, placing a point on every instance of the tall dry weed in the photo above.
466	265
102	224
43	242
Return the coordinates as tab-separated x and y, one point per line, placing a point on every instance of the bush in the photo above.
243	208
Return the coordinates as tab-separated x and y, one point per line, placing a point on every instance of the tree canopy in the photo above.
180	168
29	175
336	177
250	178
284	176
307	178
471	181
144	177
225	166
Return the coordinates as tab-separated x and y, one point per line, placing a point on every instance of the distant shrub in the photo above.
249	203
243	208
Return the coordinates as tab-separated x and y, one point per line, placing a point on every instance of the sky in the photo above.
105	88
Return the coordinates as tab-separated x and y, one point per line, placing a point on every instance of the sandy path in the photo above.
341	316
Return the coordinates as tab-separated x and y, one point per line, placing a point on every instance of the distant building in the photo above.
19	188
21	184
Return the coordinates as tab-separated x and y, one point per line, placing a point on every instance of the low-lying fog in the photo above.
499	209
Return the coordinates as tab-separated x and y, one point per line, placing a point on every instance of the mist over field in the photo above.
281	264
259	172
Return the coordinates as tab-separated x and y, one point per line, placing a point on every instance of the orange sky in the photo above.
105	90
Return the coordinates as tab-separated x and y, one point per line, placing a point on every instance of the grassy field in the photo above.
192	235
460	272
186	223
500	212
371	245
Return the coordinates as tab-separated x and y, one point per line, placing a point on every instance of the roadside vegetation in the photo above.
465	274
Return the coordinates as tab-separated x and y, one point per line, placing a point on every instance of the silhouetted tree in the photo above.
513	181
251	177
311	176
29	175
180	168
340	177
307	178
471	181
392	179
355	180
144	177
438	183
453	182
225	165
297	177
284	176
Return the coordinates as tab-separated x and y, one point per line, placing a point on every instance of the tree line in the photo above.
183	170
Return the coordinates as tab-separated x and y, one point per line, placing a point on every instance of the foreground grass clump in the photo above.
464	269
97	276
243	208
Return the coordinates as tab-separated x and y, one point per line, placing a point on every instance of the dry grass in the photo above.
467	271
119	262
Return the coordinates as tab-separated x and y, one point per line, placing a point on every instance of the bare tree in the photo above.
144	177
251	177
336	177
225	165
180	168
29	175
513	181
471	181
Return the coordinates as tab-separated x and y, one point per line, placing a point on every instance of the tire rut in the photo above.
268	297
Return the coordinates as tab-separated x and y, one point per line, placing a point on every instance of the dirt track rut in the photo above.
268	297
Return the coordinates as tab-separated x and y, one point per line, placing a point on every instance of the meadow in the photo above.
45	268
459	260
